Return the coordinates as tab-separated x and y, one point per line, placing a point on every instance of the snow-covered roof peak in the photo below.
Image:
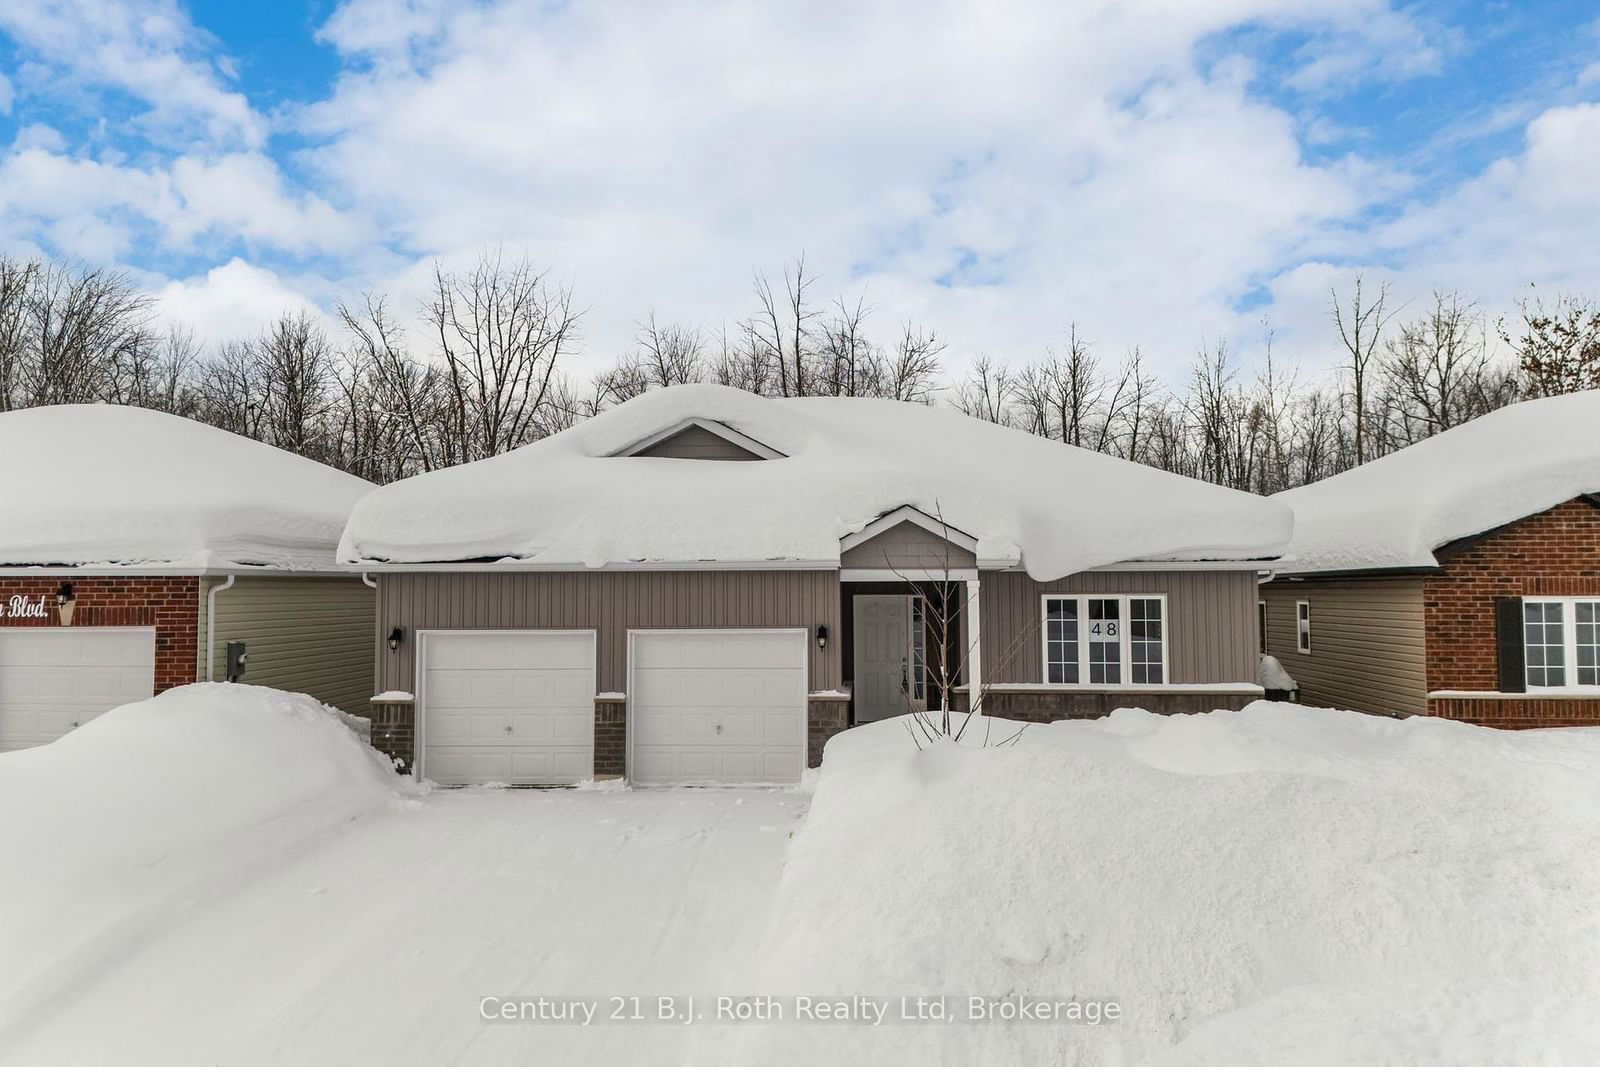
1395	511
569	500
105	485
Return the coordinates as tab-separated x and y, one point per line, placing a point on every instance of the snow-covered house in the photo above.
704	585
132	543
1458	577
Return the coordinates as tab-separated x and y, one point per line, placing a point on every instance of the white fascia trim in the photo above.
914	574
917	517
1257	565
722	430
103	570
1236	688
510	565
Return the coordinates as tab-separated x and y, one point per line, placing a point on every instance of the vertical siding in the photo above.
306	635
1211	628
609	602
696	442
907	546
1368	650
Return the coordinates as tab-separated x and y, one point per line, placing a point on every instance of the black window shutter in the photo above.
1508	639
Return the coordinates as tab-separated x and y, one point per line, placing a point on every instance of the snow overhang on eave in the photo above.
515	565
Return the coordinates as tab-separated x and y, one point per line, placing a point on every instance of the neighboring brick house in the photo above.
1498	625
141	540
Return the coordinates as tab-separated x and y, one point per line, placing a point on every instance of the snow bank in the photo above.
1394	511
117	828
1273	676
568	501
126	486
1277	885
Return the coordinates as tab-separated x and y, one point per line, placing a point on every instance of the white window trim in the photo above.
1261	624
711	426
1124	640
1302	638
1569	645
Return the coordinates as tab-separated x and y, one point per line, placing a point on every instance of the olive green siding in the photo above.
1367	642
609	602
304	634
1211	621
907	546
696	442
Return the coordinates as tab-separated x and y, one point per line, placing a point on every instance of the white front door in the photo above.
886	671
507	706
55	679
716	706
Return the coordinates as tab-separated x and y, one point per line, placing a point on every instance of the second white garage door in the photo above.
54	679
508	706
717	706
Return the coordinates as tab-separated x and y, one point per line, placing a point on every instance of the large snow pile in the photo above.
568	500
112	832
1394	511
127	486
1277	885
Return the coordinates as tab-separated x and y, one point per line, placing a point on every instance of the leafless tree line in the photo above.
487	368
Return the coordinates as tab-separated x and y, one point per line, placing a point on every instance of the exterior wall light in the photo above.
396	635
66	603
822	636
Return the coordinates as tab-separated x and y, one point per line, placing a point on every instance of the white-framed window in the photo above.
1105	639
1261	625
1302	626
1561	642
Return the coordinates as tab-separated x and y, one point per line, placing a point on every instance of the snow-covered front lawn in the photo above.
227	875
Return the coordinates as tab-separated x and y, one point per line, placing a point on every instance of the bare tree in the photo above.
986	392
1558	347
785	328
1360	329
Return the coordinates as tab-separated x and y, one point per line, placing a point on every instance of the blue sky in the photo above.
1160	172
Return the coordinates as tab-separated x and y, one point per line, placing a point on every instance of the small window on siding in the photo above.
1261	624
1302	625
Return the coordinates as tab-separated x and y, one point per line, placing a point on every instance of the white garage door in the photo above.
717	706
55	679
512	706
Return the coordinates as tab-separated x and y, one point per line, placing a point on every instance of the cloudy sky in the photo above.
1160	172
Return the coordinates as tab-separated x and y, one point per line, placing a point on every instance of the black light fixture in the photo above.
822	635
66	603
396	635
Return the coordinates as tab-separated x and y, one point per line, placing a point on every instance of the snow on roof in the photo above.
568	501
102	485
1504	466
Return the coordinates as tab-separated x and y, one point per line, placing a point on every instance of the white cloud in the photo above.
233	300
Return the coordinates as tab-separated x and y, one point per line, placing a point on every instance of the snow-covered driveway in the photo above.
377	943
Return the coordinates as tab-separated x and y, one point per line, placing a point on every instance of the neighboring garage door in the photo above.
55	679
511	706
717	706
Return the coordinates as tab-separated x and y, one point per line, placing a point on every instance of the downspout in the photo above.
368	581
211	626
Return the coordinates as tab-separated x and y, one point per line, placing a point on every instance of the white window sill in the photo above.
1239	688
1537	693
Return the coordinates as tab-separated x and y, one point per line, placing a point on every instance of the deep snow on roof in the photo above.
103	485
1504	466
567	501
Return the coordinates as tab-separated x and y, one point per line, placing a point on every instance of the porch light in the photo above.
66	603
822	635
396	635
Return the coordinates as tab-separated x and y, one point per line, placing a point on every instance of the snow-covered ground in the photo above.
258	896
226	875
1278	885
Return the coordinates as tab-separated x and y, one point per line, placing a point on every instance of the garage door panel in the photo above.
514	707
717	706
54	679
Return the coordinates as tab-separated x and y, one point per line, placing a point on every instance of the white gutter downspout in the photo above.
368	581
211	626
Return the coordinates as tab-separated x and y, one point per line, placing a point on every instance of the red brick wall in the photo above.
171	605
1553	553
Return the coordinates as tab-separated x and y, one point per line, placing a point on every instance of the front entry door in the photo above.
885	666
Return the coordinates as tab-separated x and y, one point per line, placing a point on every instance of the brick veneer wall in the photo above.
610	737
825	716
171	605
1052	706
394	732
1553	553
